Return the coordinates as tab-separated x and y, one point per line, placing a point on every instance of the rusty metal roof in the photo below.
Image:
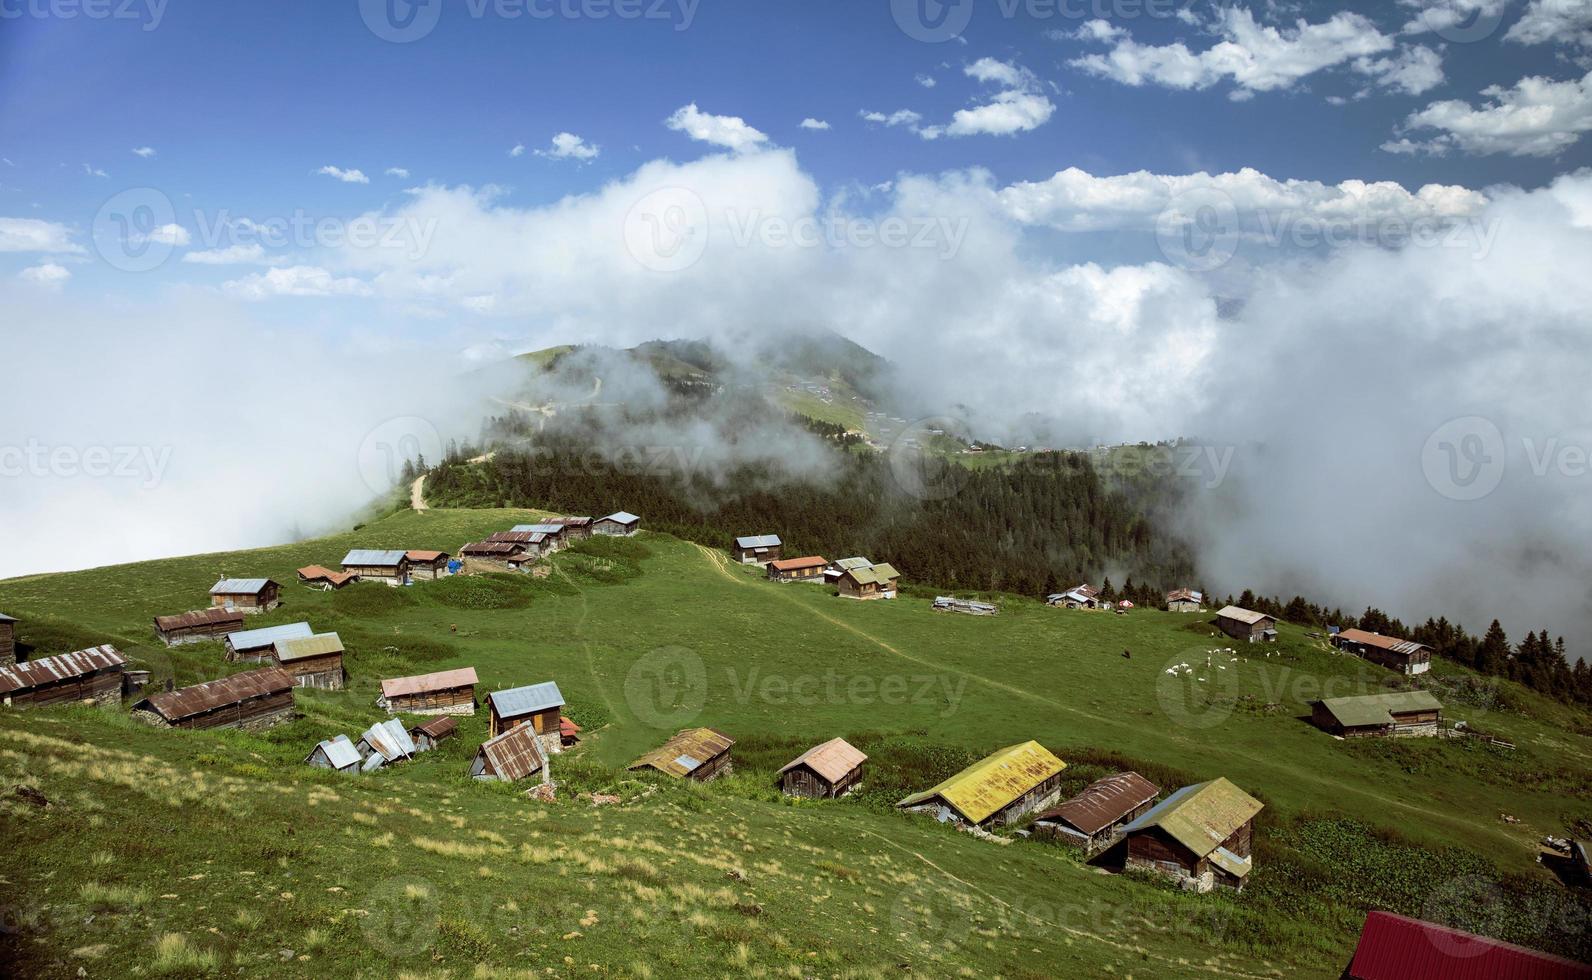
240	586
437	728
200	698
994	783
515	754
1390	643
65	666
1104	802
686	752
215	616
570	521
311	573
319	645
516	537
444	680
1200	817
1184	595
428	556
797	564
832	760
492	548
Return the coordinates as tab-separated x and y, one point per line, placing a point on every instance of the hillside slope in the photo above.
229	842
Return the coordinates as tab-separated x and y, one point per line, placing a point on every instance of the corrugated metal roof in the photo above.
1104	802
492	548
992	784
567	728
1378	709
240	586
437	728
694	745
1184	595
517	537
1396	947
882	574
340	752
1201	816
797	564
846	564
65	666
389	738
1391	643
759	541
444	680
427	556
312	573
214	616
623	517
374	558
571	521
832	760
200	698
1248	616
525	700
515	754
319	645
267	636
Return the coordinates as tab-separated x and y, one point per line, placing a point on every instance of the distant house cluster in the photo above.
524	544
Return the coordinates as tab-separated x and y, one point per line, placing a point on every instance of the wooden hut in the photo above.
250	595
371	565
514	755
193	627
996	790
700	754
495	554
549	537
568	732
1096	818
617	525
1405	656
8	640
832	769
429	735
575	528
428	566
1397	713
337	754
874	582
324	579
259	646
537	705
532	544
757	549
313	661
1397	947
1201	835
253	700
448	692
1083	596
797	569
1184	601
86	675
1247	625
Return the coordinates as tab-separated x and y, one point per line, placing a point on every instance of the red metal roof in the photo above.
187	702
62	667
1396	947
567	728
214	616
445	680
797	564
1104	802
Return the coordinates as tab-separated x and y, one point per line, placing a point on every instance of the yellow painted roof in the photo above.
993	783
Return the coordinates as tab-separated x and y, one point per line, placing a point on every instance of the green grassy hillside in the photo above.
191	853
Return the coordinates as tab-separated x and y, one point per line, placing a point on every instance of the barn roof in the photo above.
203	617
623	517
319	645
1104	802
880	574
1201	816
493	548
375	558
200	698
1378	709
444	680
570	521
797	564
65	666
428	556
846	564
390	739
311	573
525	700
1396	947
686	752
1184	595
515	754
567	728
267	636
1391	643
520	535
1241	615
993	783
340	752
832	760
759	541
437	728
240	586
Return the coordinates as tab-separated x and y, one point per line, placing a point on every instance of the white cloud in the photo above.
402	173
927	81
1561	21
346	176
1019	106
517	150
93	171
33	235
47	276
901	117
144	151
1414	70
297	280
1536	117
1253	57
731	132
811	123
251	254
168	235
1447	16
568	146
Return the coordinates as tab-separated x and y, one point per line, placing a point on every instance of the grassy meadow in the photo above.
183	854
